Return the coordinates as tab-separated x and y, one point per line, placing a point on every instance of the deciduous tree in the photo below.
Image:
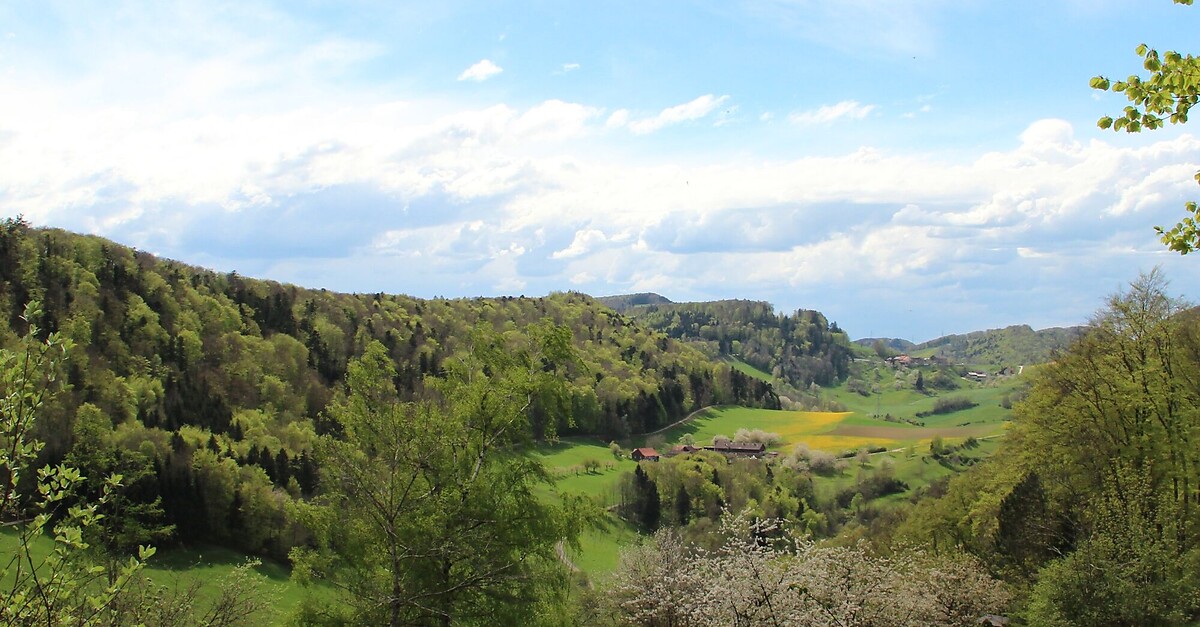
428	513
1167	94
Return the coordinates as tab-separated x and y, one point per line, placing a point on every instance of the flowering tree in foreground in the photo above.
763	576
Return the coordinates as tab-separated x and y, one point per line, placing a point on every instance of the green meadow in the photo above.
206	565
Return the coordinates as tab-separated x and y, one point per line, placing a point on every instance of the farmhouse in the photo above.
646	453
741	449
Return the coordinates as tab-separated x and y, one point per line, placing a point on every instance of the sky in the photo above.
911	168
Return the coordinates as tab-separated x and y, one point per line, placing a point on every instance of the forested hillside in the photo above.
802	348
1010	346
208	390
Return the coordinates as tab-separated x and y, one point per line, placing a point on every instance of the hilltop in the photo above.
1013	345
801	349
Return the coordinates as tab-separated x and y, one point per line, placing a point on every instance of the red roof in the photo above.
645	452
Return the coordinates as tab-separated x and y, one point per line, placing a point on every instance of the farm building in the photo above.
748	449
644	453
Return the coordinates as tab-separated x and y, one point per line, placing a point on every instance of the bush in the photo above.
822	462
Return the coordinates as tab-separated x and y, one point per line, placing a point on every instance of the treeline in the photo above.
802	348
212	387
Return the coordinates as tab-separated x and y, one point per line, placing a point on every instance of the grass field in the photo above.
834	432
917	469
747	369
208	565
565	460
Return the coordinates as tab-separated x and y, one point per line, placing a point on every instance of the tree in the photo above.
62	587
132	514
428	512
762	576
1126	572
1168	94
647	506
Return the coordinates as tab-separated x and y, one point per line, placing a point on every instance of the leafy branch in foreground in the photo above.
1167	94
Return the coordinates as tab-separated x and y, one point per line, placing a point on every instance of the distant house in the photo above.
744	449
647	453
977	376
909	361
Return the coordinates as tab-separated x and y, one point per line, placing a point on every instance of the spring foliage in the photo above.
1167	94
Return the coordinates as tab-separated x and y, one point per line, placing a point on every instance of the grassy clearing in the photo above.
834	432
600	549
747	369
792	426
565	460
912	465
181	567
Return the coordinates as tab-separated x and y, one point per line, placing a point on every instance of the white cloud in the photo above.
618	119
568	67
471	199
686	112
583	243
481	71
826	114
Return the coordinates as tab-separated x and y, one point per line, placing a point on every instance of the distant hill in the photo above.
624	302
894	344
1015	345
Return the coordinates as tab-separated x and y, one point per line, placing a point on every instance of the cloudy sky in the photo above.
909	167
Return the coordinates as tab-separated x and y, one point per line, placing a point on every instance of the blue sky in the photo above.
911	167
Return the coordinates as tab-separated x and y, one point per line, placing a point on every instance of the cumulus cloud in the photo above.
696	109
481	71
584	242
826	114
360	190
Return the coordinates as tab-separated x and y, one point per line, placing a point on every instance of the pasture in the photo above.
833	432
206	565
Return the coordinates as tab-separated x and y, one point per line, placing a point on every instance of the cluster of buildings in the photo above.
727	448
